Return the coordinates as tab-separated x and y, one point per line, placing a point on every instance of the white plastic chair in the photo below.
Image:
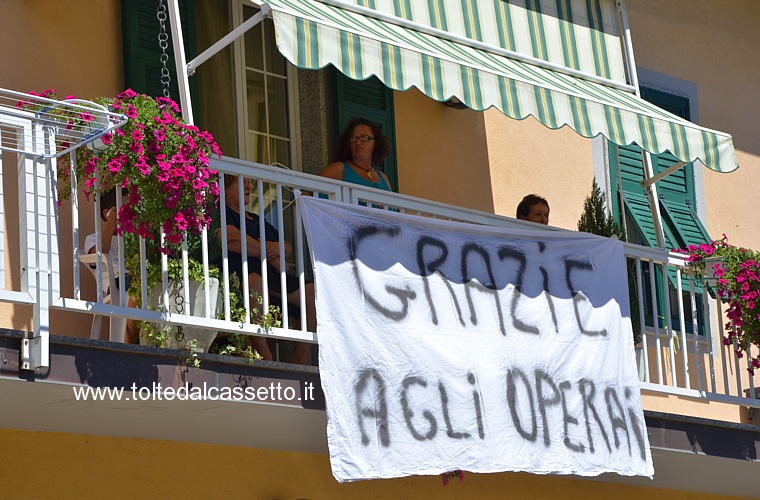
111	295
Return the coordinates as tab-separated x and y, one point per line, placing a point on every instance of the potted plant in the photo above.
735	273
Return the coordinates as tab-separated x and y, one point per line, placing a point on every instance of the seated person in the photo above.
109	244
534	208
302	353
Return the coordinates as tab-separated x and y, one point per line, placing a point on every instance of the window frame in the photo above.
241	97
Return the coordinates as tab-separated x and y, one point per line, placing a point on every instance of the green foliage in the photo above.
596	220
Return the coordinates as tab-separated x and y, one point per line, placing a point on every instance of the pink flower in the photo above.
127	94
137	135
86	117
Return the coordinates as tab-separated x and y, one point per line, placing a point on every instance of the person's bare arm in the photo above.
107	230
253	247
333	171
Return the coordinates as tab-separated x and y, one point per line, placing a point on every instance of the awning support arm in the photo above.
649	177
230	37
648	182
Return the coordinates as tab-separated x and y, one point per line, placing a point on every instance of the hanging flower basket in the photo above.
735	274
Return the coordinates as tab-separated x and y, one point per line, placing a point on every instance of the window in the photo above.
677	200
266	90
370	99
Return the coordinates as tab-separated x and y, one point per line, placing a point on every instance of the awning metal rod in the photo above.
648	182
445	35
230	37
649	177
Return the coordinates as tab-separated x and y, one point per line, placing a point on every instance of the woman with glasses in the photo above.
360	147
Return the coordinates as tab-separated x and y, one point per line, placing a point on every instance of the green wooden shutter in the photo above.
676	192
372	100
142	54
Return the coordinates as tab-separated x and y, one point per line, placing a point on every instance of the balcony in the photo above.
53	301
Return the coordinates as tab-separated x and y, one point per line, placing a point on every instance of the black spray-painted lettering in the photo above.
568	419
478	407
578	296
403	295
537	402
637	425
510	253
489	287
617	417
587	389
446	418
408	413
376	408
544	401
428	268
512	401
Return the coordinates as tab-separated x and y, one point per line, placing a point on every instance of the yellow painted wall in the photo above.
713	44
526	157
48	465
486	161
442	152
74	47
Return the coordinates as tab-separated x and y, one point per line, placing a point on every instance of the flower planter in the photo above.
197	307
710	276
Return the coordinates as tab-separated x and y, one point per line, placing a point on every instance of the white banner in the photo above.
450	346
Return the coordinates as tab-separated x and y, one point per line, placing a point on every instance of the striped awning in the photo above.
475	50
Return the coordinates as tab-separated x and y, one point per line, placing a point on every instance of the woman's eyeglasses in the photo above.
360	138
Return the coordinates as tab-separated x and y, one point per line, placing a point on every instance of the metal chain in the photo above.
179	306
163	42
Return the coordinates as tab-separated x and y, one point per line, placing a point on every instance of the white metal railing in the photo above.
681	350
34	132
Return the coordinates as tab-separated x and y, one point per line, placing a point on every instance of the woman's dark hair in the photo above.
523	209
381	151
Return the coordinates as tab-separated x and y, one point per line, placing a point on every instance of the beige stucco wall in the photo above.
75	48
486	161
713	44
48	465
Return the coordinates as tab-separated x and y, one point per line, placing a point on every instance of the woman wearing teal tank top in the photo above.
361	146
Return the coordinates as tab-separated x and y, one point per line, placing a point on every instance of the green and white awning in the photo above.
474	50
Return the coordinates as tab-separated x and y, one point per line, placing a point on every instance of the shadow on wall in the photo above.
442	152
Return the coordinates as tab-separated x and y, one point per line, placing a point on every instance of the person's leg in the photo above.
302	352
133	333
259	343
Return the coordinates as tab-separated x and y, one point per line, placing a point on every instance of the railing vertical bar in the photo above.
300	266
737	367
695	322
263	245
98	239
185	276
669	324
165	273
143	275
283	261
642	322
206	285
123	291
244	248
655	320
682	325
724	361
74	223
223	239
709	337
